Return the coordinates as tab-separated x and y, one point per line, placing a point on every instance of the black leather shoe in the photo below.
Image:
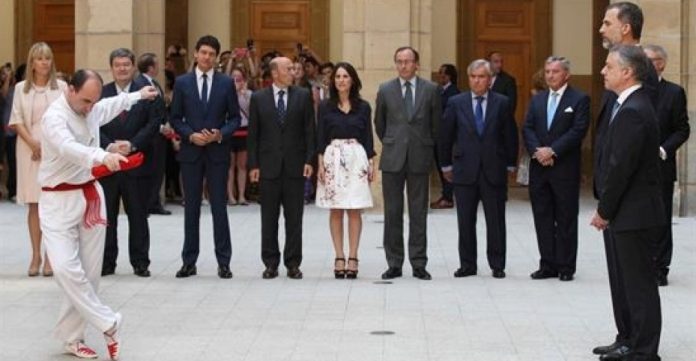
141	271
391	273
565	277
186	271
498	273
160	211
601	350
108	270
270	273
295	273
621	353
465	272
422	274
662	280
224	272
542	274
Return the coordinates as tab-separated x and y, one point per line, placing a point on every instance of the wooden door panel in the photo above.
54	23
280	25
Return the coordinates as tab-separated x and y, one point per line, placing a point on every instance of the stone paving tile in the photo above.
318	318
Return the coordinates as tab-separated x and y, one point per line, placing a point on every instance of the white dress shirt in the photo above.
560	92
413	88
276	89
484	104
199	81
70	147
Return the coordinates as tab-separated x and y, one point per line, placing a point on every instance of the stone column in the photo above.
104	25
372	30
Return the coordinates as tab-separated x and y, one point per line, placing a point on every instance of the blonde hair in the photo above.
38	50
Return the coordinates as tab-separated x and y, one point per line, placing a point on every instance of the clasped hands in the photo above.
598	222
205	136
255	174
544	155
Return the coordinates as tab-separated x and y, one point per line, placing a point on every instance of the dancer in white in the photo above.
72	208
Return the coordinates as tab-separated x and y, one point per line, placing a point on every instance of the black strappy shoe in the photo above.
340	273
352	273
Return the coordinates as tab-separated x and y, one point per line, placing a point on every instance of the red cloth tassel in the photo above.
93	209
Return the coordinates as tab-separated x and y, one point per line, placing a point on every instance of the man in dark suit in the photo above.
407	114
148	66
554	128
622	24
281	147
205	113
131	132
674	131
630	209
502	82
478	145
447	87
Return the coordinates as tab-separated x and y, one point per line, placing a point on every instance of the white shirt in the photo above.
624	94
70	143
125	89
560	92
276	89
484	103
413	88
199	80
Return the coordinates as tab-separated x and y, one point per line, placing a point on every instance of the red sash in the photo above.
89	190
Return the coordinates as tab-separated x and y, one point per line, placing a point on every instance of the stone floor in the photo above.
319	318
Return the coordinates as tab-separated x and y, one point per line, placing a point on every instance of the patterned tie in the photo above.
204	90
281	107
551	109
478	115
614	110
408	99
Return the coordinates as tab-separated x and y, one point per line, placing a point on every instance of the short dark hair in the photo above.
490	54
354	94
145	61
210	41
20	72
633	57
311	60
81	76
328	64
416	56
451	72
631	14
121	53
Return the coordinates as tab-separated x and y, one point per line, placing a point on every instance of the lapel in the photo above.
491	107
395	89
419	95
563	103
270	105
469	120
289	101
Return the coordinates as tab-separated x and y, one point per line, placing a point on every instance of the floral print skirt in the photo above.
346	184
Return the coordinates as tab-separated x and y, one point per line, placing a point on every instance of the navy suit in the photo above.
138	125
674	131
189	114
445	95
479	165
554	191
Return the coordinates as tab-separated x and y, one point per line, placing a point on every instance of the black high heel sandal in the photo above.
340	273
352	273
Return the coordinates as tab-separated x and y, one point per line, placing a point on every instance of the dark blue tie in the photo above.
478	115
281	107
204	90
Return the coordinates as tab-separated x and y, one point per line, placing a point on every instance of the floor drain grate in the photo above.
382	333
382	282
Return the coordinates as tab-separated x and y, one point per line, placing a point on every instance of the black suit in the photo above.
159	146
630	199
507	85
674	131
618	297
445	95
280	148
479	167
137	125
555	190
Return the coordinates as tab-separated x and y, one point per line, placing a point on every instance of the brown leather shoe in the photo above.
442	203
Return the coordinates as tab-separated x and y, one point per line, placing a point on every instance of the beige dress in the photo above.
28	109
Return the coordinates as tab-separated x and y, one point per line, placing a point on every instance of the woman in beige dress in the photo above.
31	99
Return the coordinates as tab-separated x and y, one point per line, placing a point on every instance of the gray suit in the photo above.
407	156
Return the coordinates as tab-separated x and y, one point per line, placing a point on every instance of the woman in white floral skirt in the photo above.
344	144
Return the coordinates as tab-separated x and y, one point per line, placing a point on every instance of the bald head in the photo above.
281	72
84	91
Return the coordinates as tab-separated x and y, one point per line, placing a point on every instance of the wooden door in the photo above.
519	29
54	23
279	25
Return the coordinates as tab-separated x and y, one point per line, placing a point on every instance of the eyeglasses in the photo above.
404	62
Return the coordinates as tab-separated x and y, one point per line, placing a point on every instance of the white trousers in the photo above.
76	254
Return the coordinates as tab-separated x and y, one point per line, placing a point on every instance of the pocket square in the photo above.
568	110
